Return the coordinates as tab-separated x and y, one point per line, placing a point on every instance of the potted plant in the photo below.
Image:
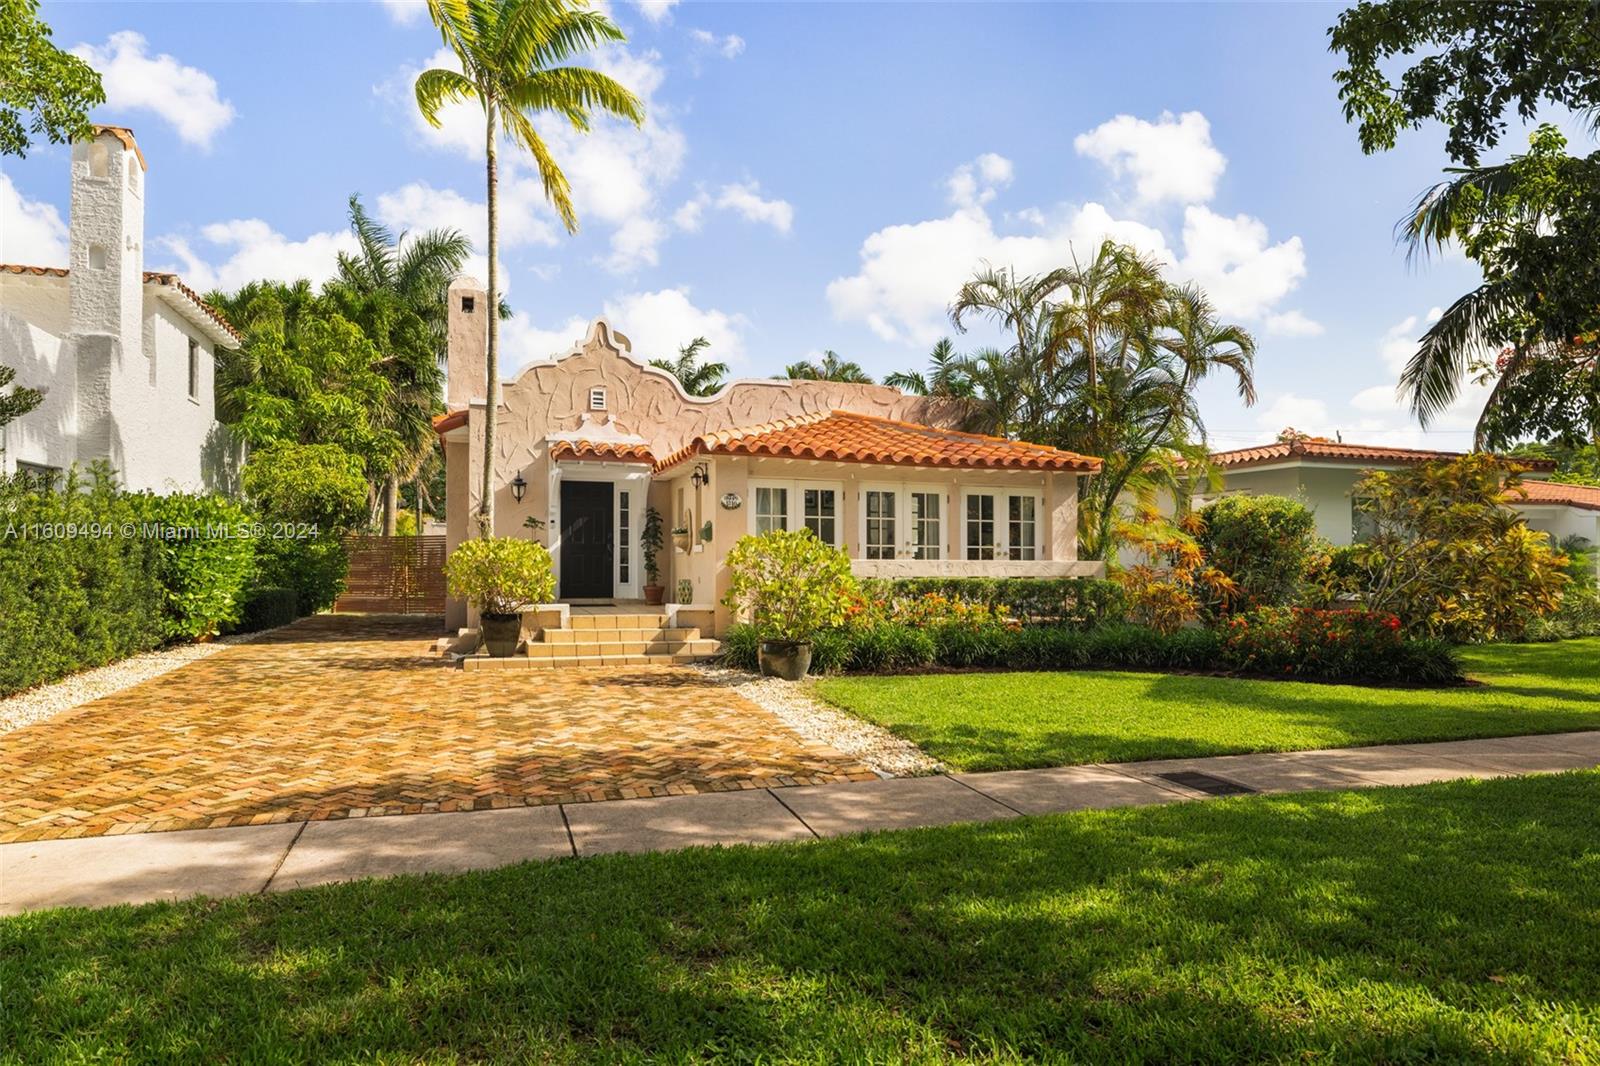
680	538
650	543
791	585
502	577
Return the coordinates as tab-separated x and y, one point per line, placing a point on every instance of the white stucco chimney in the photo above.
467	342
106	241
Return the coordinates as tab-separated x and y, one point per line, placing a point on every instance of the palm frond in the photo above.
1432	377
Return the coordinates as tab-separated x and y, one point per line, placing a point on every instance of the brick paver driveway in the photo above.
345	716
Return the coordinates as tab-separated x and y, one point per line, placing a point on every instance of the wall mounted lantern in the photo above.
701	476
519	488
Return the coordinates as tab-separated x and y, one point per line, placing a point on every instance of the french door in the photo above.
902	521
813	505
1000	524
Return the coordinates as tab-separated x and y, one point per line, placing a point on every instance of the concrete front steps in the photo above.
649	639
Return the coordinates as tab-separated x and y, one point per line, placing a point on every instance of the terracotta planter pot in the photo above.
501	633
654	594
788	659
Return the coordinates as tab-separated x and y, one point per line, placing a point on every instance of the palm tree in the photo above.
831	368
513	56
416	272
697	378
945	376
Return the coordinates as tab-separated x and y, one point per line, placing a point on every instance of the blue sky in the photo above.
811	176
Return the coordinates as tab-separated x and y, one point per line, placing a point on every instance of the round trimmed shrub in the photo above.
1263	543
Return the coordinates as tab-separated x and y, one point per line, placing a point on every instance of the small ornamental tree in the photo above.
1172	580
1449	558
650	544
501	575
1263	543
791	584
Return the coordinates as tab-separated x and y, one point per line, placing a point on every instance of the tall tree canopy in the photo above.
1531	223
44	92
831	367
1103	358
514	58
698	377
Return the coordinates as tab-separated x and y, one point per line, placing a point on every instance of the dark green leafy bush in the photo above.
1335	645
314	566
1083	602
267	608
1578	616
205	559
68	603
1263	543
309	496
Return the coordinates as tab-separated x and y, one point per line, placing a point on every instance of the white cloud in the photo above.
746	200
1399	342
908	273
419	206
186	97
657	324
656	11
1232	259
690	216
1169	160
406	12
1291	324
727	47
979	181
31	231
617	171
1289	411
250	250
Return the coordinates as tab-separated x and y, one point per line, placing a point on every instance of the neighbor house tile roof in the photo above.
449	420
1338	451
840	436
1554	492
609	451
151	277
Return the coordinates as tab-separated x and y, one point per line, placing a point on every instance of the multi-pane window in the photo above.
927	534
194	369
772	508
980	526
624	517
1022	528
880	539
821	513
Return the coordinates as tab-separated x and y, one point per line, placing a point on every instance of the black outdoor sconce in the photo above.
519	488
701	476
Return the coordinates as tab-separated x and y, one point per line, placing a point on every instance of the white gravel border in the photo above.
47	701
796	705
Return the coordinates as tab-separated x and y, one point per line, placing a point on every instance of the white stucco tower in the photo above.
106	243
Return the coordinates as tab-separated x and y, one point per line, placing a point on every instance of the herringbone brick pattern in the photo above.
347	716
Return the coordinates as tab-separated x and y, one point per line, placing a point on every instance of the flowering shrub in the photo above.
1081	602
1172	580
1333	645
933	610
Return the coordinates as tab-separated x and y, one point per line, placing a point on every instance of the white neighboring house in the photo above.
1322	475
124	357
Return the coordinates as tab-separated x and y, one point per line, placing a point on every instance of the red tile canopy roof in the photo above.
1339	452
1554	492
151	277
842	437
608	451
449	420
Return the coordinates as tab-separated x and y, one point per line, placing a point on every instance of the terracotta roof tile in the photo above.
843	437
609	451
1586	497
449	420
1338	451
125	135
151	277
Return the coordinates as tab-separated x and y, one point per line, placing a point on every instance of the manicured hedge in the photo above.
888	646
1082	602
267	608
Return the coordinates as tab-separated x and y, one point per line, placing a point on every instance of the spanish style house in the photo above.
587	440
124	356
1322	474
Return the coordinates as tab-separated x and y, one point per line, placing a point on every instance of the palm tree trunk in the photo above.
391	505
491	365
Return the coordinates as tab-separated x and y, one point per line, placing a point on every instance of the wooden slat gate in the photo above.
394	575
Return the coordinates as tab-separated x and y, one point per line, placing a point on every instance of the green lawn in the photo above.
1457	921
1001	721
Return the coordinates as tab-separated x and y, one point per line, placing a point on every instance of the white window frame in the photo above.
794	516
1002	520
904	524
942	544
597	398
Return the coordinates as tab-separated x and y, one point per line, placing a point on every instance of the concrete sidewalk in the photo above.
137	868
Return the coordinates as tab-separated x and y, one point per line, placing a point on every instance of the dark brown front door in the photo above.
586	545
